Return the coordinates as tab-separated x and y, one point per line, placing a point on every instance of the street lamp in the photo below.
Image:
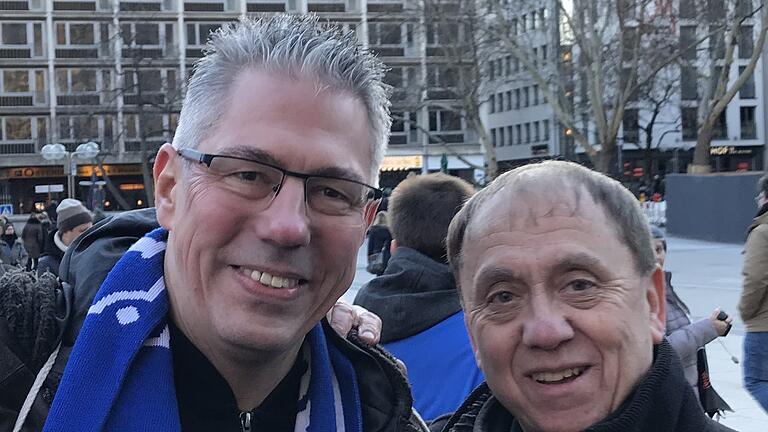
57	151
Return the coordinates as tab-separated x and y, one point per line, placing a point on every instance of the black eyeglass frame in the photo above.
207	159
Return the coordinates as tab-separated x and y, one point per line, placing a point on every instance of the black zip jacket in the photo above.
662	402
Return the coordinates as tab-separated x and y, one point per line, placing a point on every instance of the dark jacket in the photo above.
34	237
662	402
378	236
51	258
384	392
423	326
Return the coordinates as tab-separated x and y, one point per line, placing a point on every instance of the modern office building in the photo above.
524	128
113	72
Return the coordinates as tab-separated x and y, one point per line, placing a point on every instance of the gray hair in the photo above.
619	204
762	185
293	45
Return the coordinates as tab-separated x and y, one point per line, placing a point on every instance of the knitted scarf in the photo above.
119	375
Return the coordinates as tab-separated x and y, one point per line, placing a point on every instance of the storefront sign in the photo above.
49	188
398	163
729	150
32	172
112	170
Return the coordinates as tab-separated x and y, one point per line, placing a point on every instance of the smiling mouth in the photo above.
270	280
558	377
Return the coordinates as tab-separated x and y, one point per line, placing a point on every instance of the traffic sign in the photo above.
6	209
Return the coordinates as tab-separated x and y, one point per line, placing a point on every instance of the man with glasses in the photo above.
753	305
214	320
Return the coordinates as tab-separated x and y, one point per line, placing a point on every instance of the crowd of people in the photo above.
538	303
44	238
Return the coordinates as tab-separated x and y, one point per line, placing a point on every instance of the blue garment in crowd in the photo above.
436	392
756	366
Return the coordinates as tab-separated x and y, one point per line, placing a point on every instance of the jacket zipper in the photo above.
245	421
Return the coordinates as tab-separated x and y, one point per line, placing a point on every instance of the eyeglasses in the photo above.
260	182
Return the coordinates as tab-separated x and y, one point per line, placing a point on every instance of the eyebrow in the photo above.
266	157
576	261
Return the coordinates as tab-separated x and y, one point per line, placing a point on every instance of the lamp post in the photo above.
57	151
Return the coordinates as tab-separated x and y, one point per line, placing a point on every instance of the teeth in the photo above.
269	280
547	377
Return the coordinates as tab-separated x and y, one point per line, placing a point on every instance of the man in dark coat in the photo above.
207	312
416	297
73	219
565	308
33	236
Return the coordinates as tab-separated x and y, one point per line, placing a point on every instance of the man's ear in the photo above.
393	246
370	212
655	294
167	173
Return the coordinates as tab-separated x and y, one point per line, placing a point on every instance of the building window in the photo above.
527	132
75	34
716	43
509	135
544	52
492	104
688	9
493	137
508	65
198	34
491	70
746	42
748	125
535	131
500	102
526	99
14	34
15	81
631	126
535	94
518	135
18	128
502	139
508	100
688	83
147	34
690	123
747	91
720	131
688	41
517	98
545	126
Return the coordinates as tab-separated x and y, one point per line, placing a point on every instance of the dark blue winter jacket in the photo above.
423	326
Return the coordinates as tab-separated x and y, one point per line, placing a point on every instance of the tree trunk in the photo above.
700	163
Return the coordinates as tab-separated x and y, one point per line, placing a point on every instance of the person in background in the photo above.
685	337
416	297
33	236
12	252
72	220
753	305
379	239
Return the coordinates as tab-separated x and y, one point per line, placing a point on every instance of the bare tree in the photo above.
735	31
608	51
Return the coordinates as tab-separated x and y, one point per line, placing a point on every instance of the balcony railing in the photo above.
17	148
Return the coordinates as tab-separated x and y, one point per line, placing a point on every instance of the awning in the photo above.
400	163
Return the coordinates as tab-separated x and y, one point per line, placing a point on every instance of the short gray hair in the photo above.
294	45
619	204
762	185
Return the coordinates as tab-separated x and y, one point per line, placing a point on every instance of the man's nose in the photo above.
545	327
285	223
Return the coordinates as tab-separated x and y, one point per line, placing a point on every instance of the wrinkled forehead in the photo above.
524	203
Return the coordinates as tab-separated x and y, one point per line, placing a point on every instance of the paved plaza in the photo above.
705	275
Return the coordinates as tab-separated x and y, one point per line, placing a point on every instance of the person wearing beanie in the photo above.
72	220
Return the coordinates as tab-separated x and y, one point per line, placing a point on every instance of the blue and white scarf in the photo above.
120	376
